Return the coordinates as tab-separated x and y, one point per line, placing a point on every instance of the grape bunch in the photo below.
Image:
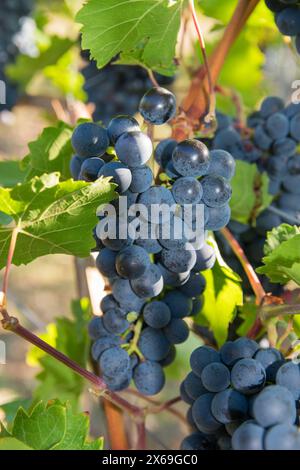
270	142
13	12
156	279
242	397
116	89
287	18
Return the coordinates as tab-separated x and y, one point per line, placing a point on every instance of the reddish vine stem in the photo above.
258	289
211	92
142	438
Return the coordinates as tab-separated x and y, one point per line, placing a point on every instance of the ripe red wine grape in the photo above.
158	106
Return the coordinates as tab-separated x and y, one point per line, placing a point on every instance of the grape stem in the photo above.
212	98
152	78
257	288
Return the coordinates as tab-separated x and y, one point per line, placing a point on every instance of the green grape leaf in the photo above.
222	296
145	30
12	407
248	313
282	260
51	217
10	173
25	67
11	443
49	426
249	193
50	152
71	338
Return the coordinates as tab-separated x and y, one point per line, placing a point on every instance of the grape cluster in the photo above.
287	18
156	279
116	89
13	11
242	398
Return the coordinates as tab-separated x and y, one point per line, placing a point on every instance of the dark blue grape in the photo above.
163	152
75	166
241	348
149	284
90	169
104	343
149	378
288	201
248	436
201	357
277	126
119	173
291	184
177	331
96	328
266	221
134	148
118	382
206	258
288	375
106	261
282	437
268	356
158	106
174	234
227	139
119	125
153	344
271	105
179	260
248	376
125	296
179	304
197	307
222	164
187	190
90	140
294	165
170	357
274	405
229	405
288	21
191	158
114	361
141	179
194	386
114	321
156	314
108	302
215	377
202	415
295	126
261	138
173	279
196	441
151	245
216	191
194	286
157	196
274	5
218	217
132	262
286	147
184	396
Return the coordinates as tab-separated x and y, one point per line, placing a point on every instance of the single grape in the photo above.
288	375
154	198
163	152
282	437
114	321
288	21
134	148
149	378
149	284
286	147
125	296
248	436
90	169
104	343
202	415
193	386
216	191
196	441
120	174
271	105
248	376
106	261
206	258
277	126
187	190
132	262
261	138
218	217
274	405
141	179
170	357
177	331
179	304
96	328
108	302
291	184
184	396
191	158
153	344
173	279
215	377
75	166
194	286
222	164
274	5
156	314
114	361
150	245
90	140
268	356
118	382
119	125
158	106
179	260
